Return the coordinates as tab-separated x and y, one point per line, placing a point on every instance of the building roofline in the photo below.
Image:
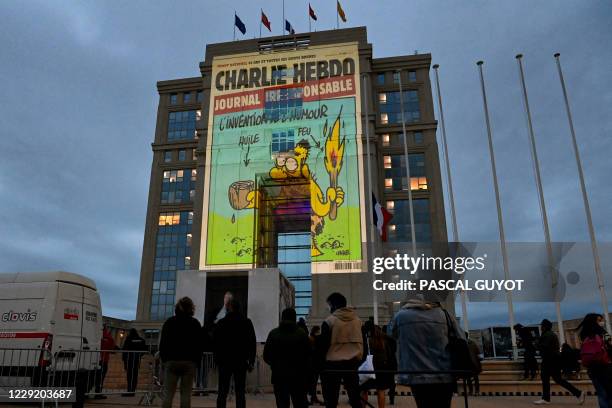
179	84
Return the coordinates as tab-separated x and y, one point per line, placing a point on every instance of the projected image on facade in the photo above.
283	156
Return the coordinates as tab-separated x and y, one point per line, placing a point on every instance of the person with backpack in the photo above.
551	365
595	356
134	348
530	364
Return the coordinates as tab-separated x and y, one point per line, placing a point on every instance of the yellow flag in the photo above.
341	12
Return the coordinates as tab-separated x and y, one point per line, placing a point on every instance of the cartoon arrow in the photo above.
246	160
317	143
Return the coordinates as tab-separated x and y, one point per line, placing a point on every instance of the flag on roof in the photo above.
312	13
341	12
238	23
265	21
381	218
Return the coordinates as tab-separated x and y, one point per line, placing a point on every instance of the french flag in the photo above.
381	218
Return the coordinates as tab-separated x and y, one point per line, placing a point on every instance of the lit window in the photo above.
382	97
390	205
194	174
167	156
385	139
418	183
412	76
401	220
186	97
384	118
388	183
181	155
380	78
392	227
194	154
198	114
387	162
173	99
393	106
176	188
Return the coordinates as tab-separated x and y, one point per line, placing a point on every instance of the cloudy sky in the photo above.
78	108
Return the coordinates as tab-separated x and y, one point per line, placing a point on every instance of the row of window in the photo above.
396	176
178	186
397	139
186	97
172	253
406	76
182	124
399	228
390	107
179	155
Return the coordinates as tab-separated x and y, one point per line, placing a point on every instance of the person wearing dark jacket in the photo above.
530	364
134	347
340	347
180	349
234	347
592	328
288	353
551	367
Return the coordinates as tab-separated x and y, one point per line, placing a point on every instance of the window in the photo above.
182	125
283	103
396	77
399	226
412	76
181	155
194	154
283	141
392	139
391	110
294	258
172	253
173	99
178	186
418	138
380	79
200	96
396	177
187	97
167	156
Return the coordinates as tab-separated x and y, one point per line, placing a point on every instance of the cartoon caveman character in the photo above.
293	165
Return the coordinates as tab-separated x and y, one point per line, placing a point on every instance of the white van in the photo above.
48	321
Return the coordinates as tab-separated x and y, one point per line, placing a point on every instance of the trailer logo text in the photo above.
13	316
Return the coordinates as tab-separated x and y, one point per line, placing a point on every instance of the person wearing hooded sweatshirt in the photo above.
235	346
288	352
340	347
421	330
134	346
180	349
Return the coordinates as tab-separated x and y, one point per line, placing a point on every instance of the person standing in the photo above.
551	365
106	345
383	358
421	329
288	352
473	382
234	347
595	356
180	349
302	324
340	346
219	313
134	347
530	364
316	366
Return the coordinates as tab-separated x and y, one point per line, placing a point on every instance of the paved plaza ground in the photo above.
267	400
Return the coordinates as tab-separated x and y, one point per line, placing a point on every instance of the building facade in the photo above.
261	161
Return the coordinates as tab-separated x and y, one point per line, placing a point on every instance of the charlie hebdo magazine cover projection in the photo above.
284	139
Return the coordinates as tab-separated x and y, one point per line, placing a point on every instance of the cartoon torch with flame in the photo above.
334	154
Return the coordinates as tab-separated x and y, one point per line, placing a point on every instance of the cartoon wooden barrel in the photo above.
238	192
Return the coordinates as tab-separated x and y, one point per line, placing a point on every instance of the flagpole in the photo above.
309	20
283	25
260	23
410	206
234	25
500	217
538	179
337	16
369	175
585	199
464	310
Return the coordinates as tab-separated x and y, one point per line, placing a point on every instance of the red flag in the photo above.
312	13
265	21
